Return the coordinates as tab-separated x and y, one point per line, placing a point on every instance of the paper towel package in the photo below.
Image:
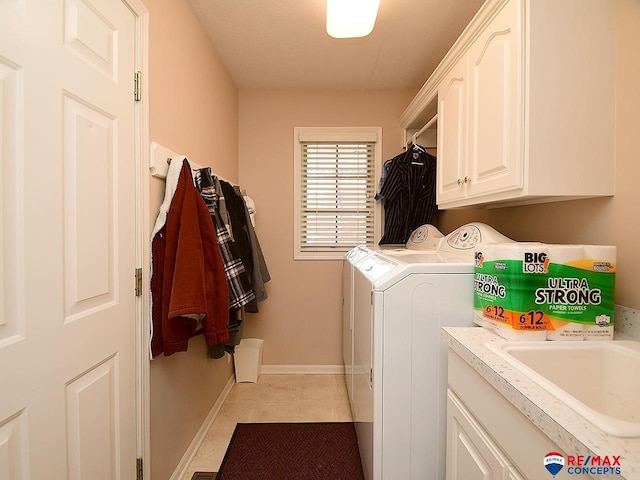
558	313
501	300
536	291
580	291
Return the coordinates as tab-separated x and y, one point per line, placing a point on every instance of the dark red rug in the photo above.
204	476
292	451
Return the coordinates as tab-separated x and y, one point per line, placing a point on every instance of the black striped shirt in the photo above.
410	195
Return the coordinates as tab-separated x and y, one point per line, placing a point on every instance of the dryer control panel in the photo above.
376	266
426	237
462	240
465	237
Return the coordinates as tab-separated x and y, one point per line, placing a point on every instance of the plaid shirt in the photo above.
240	292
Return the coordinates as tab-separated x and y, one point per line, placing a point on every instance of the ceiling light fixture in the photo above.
351	18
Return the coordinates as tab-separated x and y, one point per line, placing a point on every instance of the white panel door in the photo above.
67	240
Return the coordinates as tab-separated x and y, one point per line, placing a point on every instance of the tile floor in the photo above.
275	398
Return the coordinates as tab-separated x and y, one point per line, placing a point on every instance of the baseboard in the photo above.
302	369
186	459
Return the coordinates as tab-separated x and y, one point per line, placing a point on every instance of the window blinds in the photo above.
336	195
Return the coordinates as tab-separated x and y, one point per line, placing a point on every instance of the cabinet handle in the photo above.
467	179
460	182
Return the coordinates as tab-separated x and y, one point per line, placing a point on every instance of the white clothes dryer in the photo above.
398	300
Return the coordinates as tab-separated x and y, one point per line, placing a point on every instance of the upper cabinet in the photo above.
525	105
452	131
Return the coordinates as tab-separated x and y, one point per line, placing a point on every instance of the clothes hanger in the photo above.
417	152
414	141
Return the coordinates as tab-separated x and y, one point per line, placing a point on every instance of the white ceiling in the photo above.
282	44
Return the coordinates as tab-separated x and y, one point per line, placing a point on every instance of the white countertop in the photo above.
570	431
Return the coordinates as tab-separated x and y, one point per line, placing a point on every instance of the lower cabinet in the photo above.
471	453
487	437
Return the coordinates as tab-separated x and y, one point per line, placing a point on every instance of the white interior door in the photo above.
67	240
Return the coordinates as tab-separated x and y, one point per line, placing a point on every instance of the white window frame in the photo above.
338	135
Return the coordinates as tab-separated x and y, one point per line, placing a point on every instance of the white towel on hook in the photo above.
251	207
171	183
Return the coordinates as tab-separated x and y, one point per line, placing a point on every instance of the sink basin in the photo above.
599	380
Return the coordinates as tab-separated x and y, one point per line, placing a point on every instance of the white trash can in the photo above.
247	360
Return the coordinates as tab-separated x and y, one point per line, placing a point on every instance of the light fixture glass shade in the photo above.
351	18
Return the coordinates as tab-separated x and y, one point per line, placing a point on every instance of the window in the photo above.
335	179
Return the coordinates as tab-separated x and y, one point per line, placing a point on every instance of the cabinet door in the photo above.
514	474
471	453
496	106
452	133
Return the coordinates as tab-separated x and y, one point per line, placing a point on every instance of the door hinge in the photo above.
138	276
139	475
371	297
137	86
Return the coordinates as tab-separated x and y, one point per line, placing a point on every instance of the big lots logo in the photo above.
535	262
479	259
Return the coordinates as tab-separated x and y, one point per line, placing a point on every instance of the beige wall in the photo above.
611	221
193	111
301	320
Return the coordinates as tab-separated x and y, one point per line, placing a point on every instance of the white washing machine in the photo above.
352	257
396	301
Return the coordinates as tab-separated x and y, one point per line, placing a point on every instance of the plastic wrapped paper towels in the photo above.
537	291
502	289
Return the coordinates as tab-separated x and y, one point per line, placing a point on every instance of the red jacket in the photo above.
188	281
